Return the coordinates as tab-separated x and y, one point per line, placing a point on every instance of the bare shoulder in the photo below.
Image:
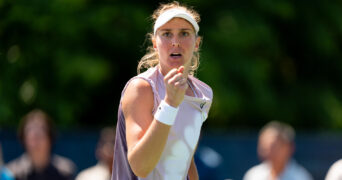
63	164
138	89
137	105
138	101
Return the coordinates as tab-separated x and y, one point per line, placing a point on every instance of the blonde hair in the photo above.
151	59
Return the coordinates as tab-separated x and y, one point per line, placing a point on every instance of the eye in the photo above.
166	34
185	33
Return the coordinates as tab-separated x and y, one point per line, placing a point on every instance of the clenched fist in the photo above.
175	85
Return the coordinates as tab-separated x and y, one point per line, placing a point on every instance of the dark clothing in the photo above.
59	168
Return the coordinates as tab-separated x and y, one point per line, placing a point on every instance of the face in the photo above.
106	150
175	43
266	140
282	152
273	148
36	137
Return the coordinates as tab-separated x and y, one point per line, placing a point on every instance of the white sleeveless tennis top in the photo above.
184	134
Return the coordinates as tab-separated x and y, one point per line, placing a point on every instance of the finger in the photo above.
180	69
181	82
170	74
182	86
175	78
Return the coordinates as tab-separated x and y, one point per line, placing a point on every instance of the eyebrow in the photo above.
182	29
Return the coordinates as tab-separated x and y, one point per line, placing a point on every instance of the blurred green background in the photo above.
264	60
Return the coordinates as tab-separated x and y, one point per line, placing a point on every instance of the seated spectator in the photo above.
335	171
37	134
275	148
4	173
104	153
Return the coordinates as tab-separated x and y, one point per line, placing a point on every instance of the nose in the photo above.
175	42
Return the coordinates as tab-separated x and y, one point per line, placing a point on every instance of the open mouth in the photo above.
175	55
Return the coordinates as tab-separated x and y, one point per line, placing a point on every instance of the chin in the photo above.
175	65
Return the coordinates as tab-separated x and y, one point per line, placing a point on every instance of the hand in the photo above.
176	85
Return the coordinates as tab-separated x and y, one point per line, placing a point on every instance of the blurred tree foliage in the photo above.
264	60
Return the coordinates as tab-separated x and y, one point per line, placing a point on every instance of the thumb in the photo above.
180	69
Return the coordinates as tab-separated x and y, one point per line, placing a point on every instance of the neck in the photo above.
110	166
39	160
107	163
277	169
165	71
186	71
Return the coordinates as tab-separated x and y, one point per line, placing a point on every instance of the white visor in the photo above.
172	13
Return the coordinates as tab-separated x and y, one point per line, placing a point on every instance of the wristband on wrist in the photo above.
166	114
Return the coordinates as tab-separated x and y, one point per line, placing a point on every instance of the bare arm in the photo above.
146	137
193	174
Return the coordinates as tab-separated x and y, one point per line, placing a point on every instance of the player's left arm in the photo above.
192	173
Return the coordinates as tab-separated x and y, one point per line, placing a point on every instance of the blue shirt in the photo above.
5	174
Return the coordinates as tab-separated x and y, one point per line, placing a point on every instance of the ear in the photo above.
197	43
154	42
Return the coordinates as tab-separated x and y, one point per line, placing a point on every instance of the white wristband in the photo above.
166	114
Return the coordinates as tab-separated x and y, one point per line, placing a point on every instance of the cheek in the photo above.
162	48
190	45
162	43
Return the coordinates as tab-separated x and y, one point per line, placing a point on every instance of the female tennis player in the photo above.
162	109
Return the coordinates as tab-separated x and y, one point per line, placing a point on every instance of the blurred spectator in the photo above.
104	154
37	134
4	173
275	148
335	171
